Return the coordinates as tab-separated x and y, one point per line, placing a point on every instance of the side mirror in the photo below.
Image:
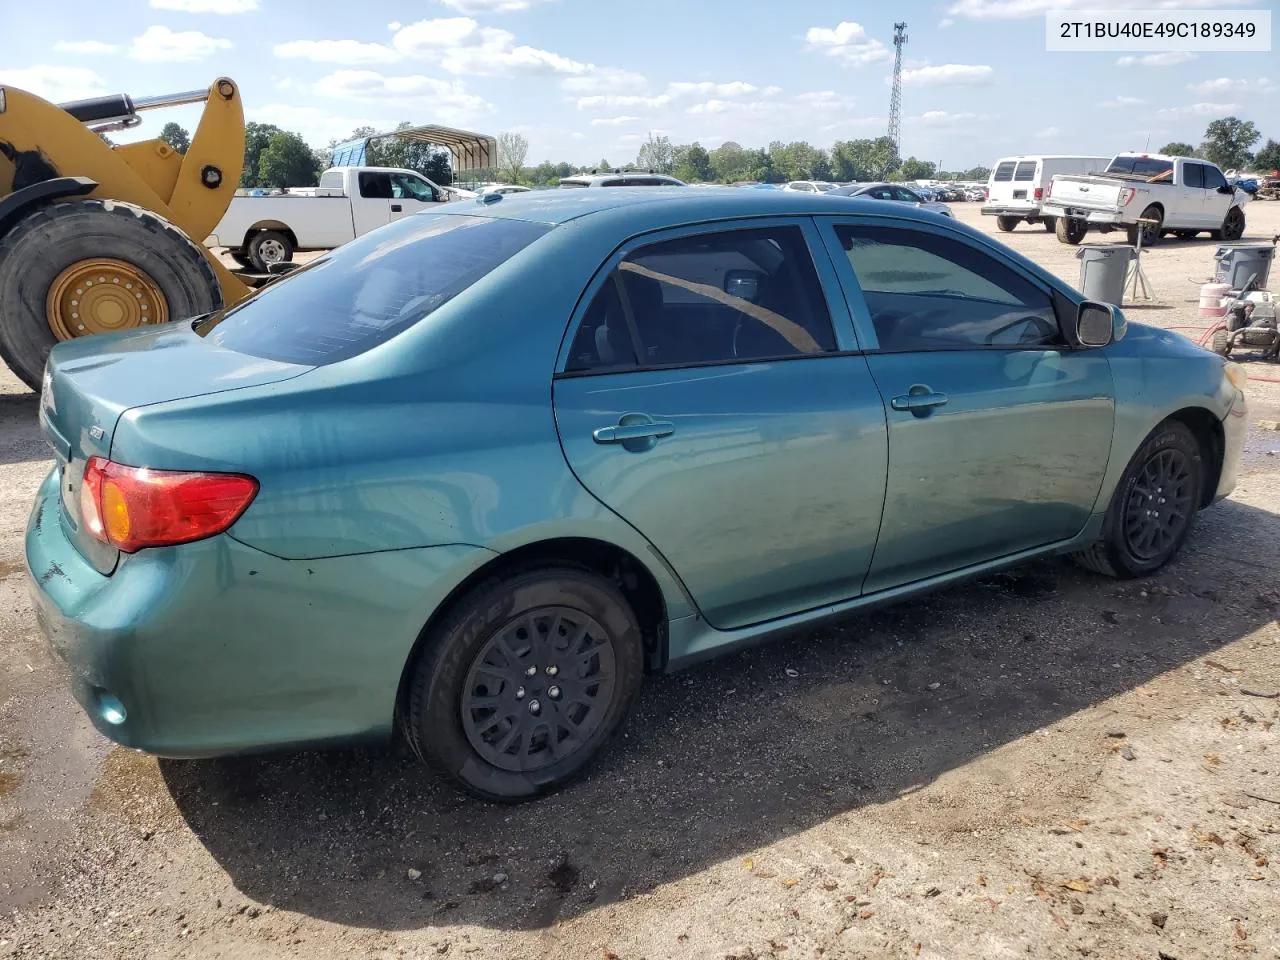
1096	324
1227	189
743	284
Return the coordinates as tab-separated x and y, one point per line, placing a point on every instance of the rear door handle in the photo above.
654	429
924	400
395	208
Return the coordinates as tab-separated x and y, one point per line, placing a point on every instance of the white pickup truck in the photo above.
1151	192
350	201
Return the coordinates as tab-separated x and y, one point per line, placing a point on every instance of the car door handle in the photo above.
653	429
919	401
395	208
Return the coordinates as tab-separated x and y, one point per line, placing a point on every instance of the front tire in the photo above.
1153	508
525	682
1232	226
1007	224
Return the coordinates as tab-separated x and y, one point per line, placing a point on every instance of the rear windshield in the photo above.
1146	167
1026	171
1004	172
366	292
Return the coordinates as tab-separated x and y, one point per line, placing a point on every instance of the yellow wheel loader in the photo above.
96	238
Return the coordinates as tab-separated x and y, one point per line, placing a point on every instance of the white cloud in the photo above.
88	47
847	41
1122	101
1170	59
945	118
1228	85
55	84
824	100
335	51
1203	109
462	46
1048	133
161	45
947	74
613	121
604	80
447	99
850	123
946	22
394	25
206	6
735	88
316	125
606	101
1020	9
488	6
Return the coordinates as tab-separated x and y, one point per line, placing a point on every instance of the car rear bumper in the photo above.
214	647
1010	210
1101	217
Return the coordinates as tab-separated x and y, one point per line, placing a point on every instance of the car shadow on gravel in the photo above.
732	755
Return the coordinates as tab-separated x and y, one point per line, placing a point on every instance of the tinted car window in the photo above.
404	186
368	290
904	195
1147	167
1193	175
1213	178
375	186
927	292
721	297
1004	172
1025	172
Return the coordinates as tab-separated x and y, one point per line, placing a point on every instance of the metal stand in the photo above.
1137	278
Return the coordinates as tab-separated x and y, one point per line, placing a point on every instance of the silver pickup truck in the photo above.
1151	193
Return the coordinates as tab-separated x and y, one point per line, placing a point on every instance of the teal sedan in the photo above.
471	477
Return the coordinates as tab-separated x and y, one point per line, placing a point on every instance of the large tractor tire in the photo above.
94	266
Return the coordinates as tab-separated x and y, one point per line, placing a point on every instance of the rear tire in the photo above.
1071	230
1050	223
1007	224
267	248
1151	232
48	241
482	677
1166	474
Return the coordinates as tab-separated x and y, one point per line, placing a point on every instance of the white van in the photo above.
1018	186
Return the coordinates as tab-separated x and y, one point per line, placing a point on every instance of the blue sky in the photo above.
585	81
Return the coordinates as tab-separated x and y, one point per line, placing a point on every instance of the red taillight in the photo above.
134	507
1039	193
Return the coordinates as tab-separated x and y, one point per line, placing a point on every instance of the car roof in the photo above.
687	204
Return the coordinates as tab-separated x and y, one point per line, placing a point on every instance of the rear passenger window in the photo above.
714	298
1004	172
929	292
1193	175
1026	171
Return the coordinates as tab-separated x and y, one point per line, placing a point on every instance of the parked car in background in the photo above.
891	191
975	194
809	186
504	188
476	473
621	180
1150	194
1018	185
350	201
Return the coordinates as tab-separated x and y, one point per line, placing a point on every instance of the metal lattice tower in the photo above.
895	98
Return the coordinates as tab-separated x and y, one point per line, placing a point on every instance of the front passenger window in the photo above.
925	291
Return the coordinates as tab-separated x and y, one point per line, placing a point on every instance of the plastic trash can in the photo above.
1103	270
1238	262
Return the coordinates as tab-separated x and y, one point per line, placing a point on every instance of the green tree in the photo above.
1227	142
1268	158
512	150
176	137
256	138
692	164
656	154
729	161
976	173
862	160
287	161
913	169
1178	149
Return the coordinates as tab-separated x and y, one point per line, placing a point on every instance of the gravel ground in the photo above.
1043	763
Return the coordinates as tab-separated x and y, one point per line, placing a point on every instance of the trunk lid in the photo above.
1087	193
89	383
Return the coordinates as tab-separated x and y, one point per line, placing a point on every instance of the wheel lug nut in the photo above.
519	693
531	671
553	692
535	707
552	671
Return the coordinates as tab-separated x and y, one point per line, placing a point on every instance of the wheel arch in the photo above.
1207	429
18	204
616	564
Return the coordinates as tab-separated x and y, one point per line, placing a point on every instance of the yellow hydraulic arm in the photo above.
40	140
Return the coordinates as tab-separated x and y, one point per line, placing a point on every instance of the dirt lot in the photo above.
1041	764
